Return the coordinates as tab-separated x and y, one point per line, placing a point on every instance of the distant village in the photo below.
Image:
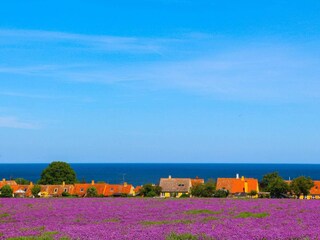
237	187
59	180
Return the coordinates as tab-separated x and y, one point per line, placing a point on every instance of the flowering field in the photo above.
136	218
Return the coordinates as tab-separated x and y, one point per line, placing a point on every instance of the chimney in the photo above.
31	184
3	180
63	183
125	184
92	182
242	178
237	176
169	177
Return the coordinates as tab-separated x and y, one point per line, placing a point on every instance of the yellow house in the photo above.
314	191
175	187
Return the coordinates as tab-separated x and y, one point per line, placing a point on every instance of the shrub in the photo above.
36	190
66	194
151	194
6	191
252	193
204	190
92	192
221	193
184	195
149	190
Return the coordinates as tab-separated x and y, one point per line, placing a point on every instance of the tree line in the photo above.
279	188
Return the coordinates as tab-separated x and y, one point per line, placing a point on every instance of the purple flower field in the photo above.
136	218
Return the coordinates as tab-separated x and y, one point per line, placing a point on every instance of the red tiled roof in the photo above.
315	190
197	181
8	182
103	188
113	189
80	189
234	185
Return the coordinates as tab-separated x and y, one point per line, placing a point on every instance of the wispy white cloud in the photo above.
97	42
250	73
252	69
43	96
13	122
27	95
29	70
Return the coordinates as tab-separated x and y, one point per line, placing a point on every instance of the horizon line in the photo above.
289	163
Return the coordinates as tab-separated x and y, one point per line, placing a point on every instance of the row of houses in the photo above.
238	186
175	187
78	189
170	187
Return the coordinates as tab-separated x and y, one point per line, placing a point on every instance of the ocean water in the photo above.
137	174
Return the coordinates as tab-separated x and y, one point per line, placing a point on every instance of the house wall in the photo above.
310	197
168	194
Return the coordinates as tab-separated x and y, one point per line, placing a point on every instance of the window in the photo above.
313	197
181	185
111	189
55	190
81	189
65	190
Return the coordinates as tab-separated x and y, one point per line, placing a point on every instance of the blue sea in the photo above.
138	174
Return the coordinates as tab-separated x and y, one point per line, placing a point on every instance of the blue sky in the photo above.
160	81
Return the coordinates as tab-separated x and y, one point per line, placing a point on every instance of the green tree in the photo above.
274	184
204	190
150	190
197	190
267	179
278	187
58	172
22	181
6	191
92	192
35	190
301	185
